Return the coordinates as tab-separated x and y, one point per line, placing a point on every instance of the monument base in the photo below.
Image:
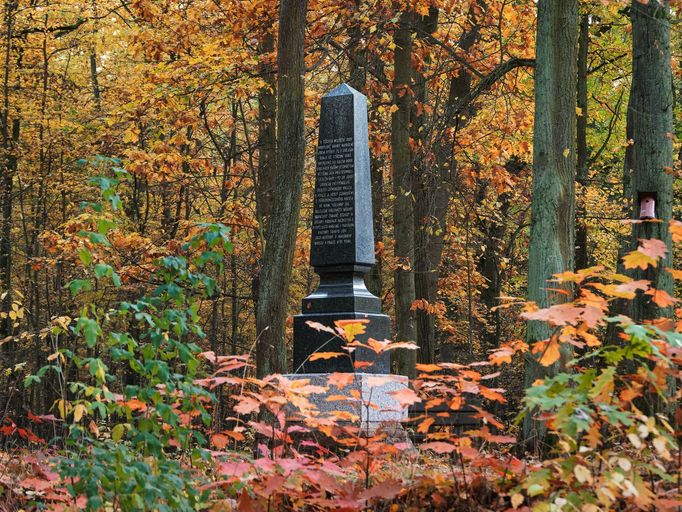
307	341
364	401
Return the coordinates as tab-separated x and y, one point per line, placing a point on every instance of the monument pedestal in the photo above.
366	402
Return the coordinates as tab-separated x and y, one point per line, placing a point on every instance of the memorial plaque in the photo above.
342	244
342	219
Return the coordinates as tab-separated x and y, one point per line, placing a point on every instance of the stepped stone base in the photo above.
366	401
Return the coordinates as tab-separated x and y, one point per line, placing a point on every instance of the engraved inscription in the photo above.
333	221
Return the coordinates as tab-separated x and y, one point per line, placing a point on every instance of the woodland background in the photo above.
200	101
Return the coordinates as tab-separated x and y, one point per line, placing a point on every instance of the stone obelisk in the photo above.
342	245
342	252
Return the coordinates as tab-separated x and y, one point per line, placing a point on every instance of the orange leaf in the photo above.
324	355
551	354
661	298
341	380
405	397
677	274
320	327
219	441
424	425
428	368
492	394
676	230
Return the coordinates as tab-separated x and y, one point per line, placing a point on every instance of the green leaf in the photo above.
89	329
78	285
117	432
85	256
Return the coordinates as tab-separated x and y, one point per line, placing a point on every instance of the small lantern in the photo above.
647	205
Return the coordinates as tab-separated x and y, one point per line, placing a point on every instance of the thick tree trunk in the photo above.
552	242
582	259
273	290
651	108
403	215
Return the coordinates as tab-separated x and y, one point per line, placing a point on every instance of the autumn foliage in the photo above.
137	148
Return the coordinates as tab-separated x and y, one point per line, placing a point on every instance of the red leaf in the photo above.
388	489
439	447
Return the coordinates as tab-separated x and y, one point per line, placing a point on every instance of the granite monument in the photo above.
342	244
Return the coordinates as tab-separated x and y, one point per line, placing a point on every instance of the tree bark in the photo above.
651	109
403	214
552	231
10	138
582	259
267	135
273	289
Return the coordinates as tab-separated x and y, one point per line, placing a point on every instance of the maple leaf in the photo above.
661	298
637	259
246	405
423	426
653	248
559	314
405	397
633	286
219	441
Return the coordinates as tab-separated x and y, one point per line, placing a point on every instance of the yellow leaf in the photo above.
78	412
517	500
582	474
117	432
567	152
637	259
351	328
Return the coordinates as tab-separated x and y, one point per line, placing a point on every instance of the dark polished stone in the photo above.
342	244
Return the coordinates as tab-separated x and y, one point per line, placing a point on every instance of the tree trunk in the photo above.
582	259
403	215
552	242
273	290
651	105
10	138
267	135
423	181
358	81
